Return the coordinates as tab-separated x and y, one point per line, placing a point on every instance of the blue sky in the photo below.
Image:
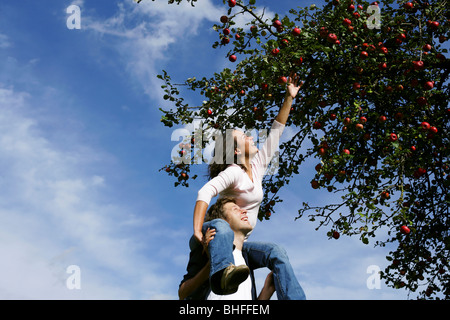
80	147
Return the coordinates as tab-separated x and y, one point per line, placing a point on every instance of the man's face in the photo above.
237	218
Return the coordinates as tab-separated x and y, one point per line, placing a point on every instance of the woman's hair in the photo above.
216	210
224	153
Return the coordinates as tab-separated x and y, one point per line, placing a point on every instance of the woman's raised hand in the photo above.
294	85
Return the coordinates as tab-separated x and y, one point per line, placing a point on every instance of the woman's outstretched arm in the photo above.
292	90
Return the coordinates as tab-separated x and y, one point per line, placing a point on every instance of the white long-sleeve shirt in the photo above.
235	182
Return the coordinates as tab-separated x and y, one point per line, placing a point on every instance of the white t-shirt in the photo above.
235	182
244	291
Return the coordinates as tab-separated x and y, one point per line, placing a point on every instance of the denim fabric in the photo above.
274	257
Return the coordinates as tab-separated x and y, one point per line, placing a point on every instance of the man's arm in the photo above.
192	284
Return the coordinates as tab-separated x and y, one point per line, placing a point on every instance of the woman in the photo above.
242	180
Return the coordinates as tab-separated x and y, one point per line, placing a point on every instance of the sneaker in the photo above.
232	277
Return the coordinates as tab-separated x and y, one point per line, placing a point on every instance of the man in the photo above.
195	284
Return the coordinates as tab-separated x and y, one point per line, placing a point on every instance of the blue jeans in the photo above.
259	255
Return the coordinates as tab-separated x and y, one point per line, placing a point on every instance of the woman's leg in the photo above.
274	257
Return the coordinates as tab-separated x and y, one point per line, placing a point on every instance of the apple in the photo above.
405	230
332	38
421	101
363	120
385	195
184	176
314	184
393	137
408	5
428	85
364	55
321	151
346	151
275	52
359	127
299	61
209	112
347	121
356	86
277	24
418	65
225	40
318	167
237	36
413	148
382	66
224	19
317	125
282	80
346	22
382	119
434	25
433	130
425	126
356	15
231	3
426	47
233	58
351	8
296	31
226	31
384	50
333	116
336	235
284	42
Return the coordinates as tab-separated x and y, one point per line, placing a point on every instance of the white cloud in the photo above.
145	35
52	216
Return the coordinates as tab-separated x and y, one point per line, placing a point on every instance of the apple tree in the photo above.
373	112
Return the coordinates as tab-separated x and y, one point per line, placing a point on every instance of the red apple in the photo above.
393	137
346	151
226	31
336	235
347	121
231	3
426	47
405	230
359	127
384	50
277	24
224	19
333	116
382	66
346	22
382	119
418	65
363	120
364	55
233	58
428	85
351	8
296	31
332	38
421	101
434	25
425	126
275	52
356	86
433	130
408	5
385	195
317	125
282	80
